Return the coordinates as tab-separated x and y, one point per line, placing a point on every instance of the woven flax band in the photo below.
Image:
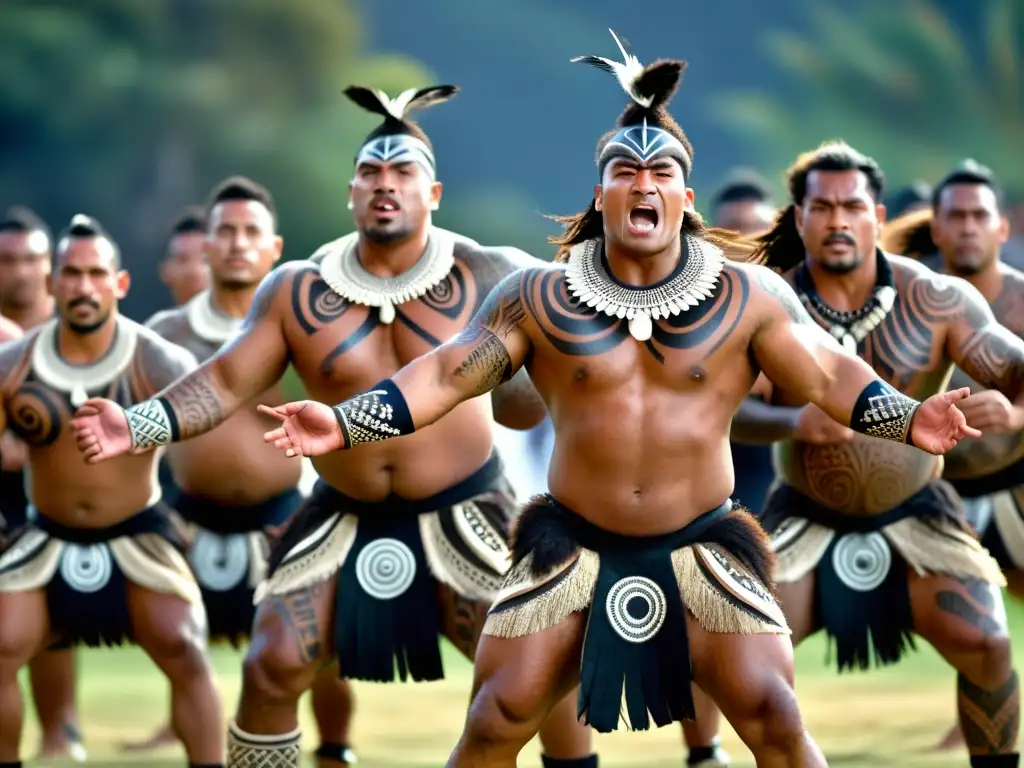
152	424
375	415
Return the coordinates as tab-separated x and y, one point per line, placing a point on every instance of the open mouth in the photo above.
643	219
385	206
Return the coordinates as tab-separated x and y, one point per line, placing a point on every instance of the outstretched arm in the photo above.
488	352
993	356
199	401
801	358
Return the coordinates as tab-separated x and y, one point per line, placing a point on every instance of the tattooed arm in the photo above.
798	356
487	353
516	403
993	356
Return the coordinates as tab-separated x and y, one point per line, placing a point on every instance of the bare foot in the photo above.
954	739
162	738
68	744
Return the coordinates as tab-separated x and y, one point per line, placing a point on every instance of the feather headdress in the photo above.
646	129
398	138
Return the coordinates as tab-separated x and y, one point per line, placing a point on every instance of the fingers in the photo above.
966	431
274	435
956	395
85	410
266	410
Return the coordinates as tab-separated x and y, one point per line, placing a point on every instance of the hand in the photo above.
938	424
818	428
101	429
991	412
308	428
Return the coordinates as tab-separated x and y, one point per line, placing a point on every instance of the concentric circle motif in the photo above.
862	560
636	608
385	568
220	562
86	568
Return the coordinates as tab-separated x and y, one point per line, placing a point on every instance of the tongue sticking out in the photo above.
643	219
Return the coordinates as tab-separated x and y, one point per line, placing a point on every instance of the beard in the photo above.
237	284
384	236
84	329
842	268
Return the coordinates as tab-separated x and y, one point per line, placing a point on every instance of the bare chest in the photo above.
40	414
339	346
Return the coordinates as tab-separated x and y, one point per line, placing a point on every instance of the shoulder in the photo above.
9	330
15	349
490	264
281	278
928	290
771	294
168	322
152	349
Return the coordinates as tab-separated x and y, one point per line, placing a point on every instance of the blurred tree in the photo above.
128	110
899	80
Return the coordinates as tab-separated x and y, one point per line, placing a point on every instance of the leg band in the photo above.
342	753
249	750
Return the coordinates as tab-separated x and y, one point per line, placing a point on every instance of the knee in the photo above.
501	715
776	713
271	670
179	650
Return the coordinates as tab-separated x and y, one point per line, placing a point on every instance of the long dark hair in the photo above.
910	234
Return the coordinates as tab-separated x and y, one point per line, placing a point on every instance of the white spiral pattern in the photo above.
219	562
862	560
86	568
385	568
636	629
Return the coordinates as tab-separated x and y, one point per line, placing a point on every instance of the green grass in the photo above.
865	720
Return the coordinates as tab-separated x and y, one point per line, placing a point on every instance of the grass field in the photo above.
875	720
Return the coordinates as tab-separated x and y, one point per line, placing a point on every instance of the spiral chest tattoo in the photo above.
574	329
37	413
449	299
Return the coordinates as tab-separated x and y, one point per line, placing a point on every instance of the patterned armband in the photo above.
375	415
152	423
884	412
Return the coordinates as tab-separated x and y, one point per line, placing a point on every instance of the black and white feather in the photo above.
376	101
651	87
628	72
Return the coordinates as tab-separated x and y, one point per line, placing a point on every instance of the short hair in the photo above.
191	220
971	173
83	227
833	156
241	188
743	186
22	219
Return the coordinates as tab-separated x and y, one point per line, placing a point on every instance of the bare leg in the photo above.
162	737
332	708
966	622
751	678
517	683
563	737
52	674
24	630
290	640
168	630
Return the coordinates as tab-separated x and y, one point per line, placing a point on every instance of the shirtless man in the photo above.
870	543
399	542
25	299
183	269
639	513
96	564
231	487
966	228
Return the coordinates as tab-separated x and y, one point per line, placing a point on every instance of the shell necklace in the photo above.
209	324
341	270
79	380
693	280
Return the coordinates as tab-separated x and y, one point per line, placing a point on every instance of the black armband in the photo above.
885	412
374	415
152	423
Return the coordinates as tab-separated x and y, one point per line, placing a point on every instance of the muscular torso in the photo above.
641	428
231	464
869	476
61	485
991	453
340	349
